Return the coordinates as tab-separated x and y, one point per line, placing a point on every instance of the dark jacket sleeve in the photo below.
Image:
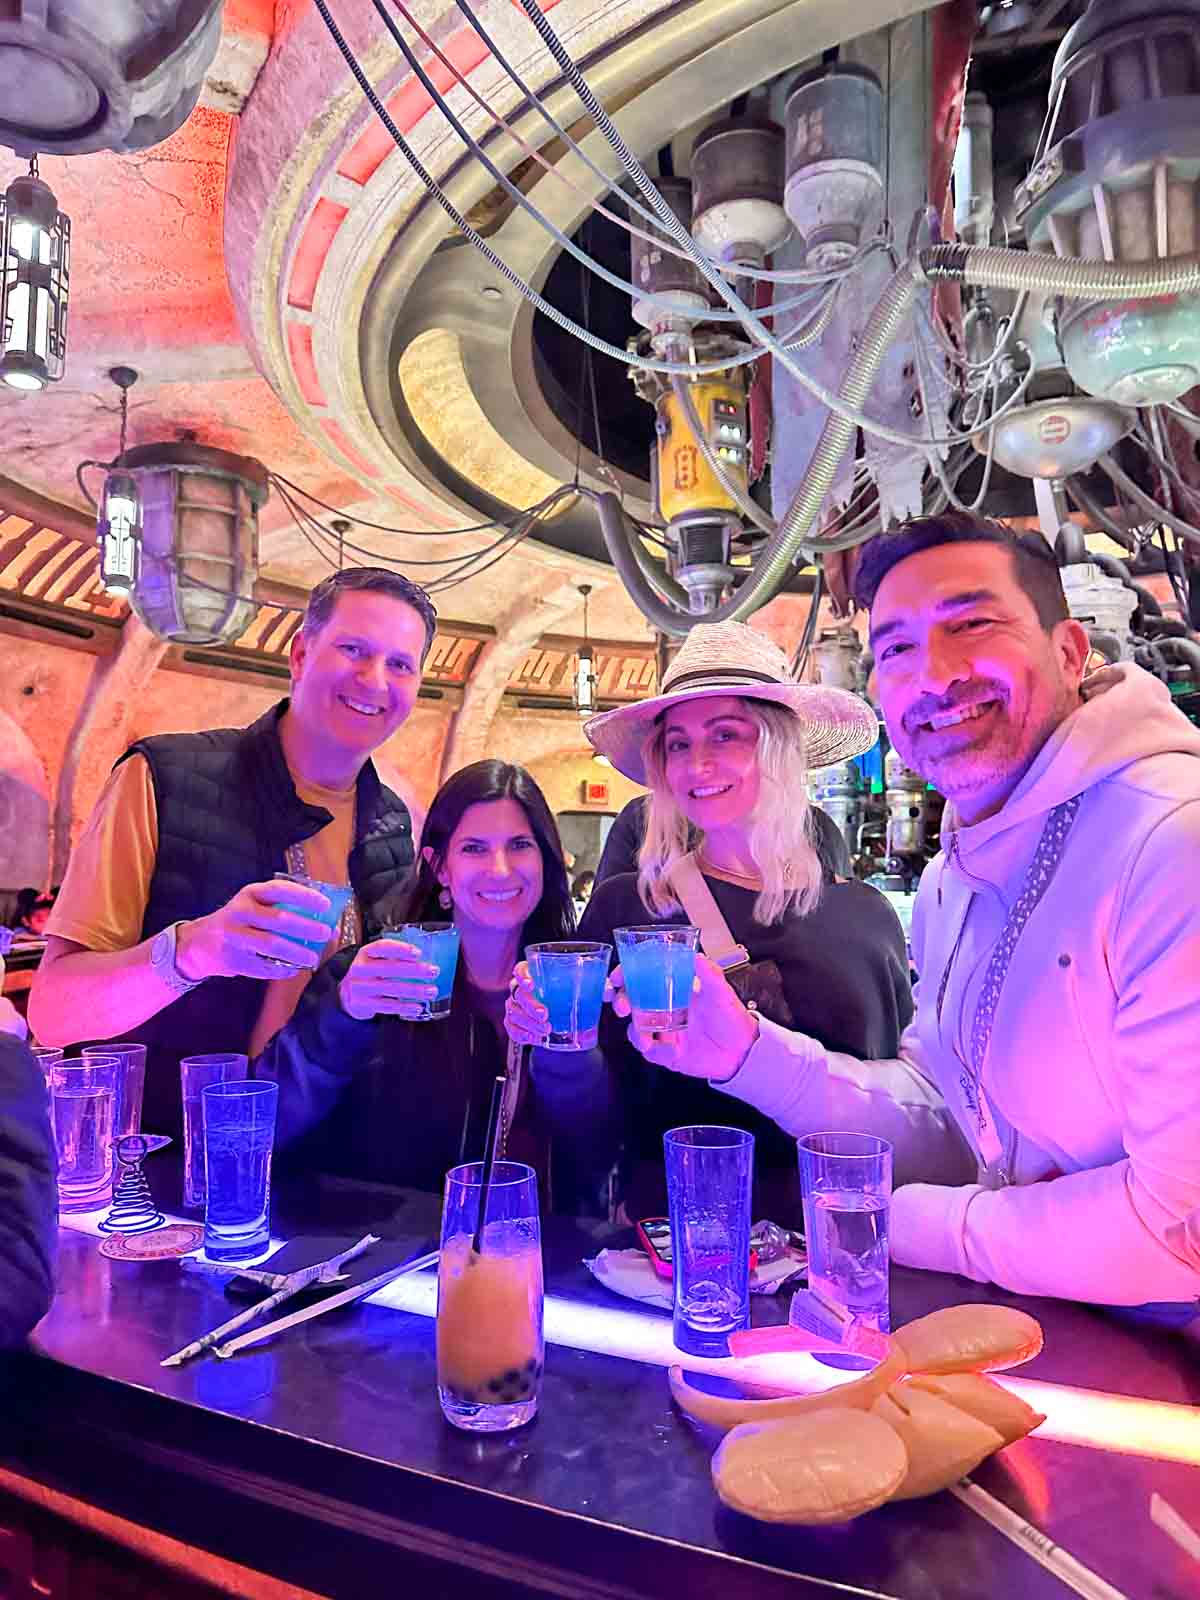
28	1193
317	1053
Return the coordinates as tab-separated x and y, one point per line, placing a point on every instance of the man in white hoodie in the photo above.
1045	1104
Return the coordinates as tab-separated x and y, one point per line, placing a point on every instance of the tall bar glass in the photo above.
195	1074
710	1171
490	1345
846	1184
658	965
568	978
46	1055
436	943
83	1104
132	1082
239	1135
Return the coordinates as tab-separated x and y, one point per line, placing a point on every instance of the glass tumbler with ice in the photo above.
436	943
846	1182
239	1134
709	1175
658	964
490	1345
195	1074
568	978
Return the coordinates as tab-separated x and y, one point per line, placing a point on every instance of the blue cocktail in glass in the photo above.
325	923
568	978
436	943
658	965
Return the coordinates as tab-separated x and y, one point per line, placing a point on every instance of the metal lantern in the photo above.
583	689
198	546
35	258
118	528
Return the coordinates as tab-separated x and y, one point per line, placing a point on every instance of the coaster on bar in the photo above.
180	1239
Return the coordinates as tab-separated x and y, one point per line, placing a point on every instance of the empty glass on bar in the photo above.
195	1073
846	1184
490	1348
83	1105
436	943
568	978
239	1135
658	965
710	1171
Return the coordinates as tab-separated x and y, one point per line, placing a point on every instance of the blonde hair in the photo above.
780	831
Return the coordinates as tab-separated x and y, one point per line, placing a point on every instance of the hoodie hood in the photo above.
1128	716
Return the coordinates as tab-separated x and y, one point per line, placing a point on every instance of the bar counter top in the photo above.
322	1459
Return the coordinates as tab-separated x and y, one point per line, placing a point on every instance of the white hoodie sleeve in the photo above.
1123	1234
808	1089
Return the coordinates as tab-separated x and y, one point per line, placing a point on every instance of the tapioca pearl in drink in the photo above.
488	1324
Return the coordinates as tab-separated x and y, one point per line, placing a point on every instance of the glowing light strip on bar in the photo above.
1157	1429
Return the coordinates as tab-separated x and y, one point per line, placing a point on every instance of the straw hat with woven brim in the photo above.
729	658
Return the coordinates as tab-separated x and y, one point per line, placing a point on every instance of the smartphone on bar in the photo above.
654	1236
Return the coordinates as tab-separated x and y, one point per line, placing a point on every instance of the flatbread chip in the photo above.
971	1338
826	1466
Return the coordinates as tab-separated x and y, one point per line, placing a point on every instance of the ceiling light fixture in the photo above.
35	257
118	527
584	688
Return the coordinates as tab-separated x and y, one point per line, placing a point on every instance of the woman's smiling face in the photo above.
710	758
493	867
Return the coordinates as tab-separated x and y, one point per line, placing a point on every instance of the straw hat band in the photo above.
716	678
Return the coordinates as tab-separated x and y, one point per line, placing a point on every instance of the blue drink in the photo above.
568	978
326	923
659	965
239	1132
437	943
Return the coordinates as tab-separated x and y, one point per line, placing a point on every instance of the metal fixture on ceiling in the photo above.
83	75
583	687
35	269
119	527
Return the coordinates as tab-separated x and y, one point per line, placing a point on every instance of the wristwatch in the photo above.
162	961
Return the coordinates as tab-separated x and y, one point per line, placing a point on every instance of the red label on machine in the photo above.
1054	429
686	467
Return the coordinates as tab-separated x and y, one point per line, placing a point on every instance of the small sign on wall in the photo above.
595	792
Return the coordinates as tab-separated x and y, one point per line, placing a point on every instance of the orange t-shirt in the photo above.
103	899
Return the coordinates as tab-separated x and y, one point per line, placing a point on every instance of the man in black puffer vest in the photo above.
170	926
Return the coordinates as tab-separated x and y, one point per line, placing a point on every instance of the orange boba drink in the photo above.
490	1346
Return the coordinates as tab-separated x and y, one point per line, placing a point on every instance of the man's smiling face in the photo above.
970	682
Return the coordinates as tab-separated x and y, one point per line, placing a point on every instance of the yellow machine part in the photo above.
686	482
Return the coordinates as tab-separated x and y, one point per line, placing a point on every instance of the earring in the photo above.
444	900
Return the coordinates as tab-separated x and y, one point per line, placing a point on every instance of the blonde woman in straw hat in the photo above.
724	751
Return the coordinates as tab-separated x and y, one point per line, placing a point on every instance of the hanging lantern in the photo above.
583	690
119	526
197	540
35	251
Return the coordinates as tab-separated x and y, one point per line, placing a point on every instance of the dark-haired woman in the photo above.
367	1091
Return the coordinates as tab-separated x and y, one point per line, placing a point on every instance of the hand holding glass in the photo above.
436	943
568	979
239	1133
327	922
658	965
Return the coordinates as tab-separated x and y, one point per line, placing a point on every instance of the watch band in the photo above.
163	961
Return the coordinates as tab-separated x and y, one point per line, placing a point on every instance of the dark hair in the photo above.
372	580
417	900
584	880
1035	566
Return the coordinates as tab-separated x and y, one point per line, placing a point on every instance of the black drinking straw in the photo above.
489	1161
